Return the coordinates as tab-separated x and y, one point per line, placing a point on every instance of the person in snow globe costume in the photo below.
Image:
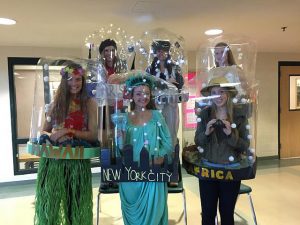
64	186
223	137
161	53
145	203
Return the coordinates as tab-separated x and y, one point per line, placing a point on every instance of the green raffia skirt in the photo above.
64	193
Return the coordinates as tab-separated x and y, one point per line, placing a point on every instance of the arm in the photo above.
239	140
165	142
179	77
202	139
54	134
47	126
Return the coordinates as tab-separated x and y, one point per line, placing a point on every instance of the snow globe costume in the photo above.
223	152
161	54
64	135
145	202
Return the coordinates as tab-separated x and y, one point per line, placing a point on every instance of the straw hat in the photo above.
219	82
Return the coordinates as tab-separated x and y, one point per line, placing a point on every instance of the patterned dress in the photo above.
145	203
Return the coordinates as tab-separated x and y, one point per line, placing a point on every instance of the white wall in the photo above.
6	155
267	75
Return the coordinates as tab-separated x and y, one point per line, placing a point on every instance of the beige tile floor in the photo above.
275	195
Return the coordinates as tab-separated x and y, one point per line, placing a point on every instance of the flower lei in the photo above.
67	71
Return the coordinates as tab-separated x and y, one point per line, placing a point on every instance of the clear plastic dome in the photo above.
160	39
164	94
161	53
111	35
225	100
153	134
52	75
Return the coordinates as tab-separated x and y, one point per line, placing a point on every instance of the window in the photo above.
294	92
21	72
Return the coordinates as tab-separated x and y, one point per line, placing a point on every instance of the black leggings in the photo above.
224	192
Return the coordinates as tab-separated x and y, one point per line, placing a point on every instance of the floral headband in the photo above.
67	71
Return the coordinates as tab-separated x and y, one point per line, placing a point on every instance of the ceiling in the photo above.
66	23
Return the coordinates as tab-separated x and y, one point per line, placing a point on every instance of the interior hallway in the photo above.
275	196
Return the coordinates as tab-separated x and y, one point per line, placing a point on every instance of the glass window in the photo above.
21	72
294	92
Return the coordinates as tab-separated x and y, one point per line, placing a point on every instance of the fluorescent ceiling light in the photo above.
6	21
213	32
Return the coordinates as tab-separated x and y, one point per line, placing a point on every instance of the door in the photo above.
289	109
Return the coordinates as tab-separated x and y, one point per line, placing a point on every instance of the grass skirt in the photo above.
64	193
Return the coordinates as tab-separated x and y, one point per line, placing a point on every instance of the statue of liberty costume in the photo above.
145	203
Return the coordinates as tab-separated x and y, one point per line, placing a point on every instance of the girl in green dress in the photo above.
145	203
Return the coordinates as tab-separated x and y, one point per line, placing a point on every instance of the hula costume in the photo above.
145	203
64	186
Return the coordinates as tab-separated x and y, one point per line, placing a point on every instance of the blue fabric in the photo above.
44	138
145	203
220	165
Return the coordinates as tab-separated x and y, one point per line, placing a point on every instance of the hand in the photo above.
121	134
209	127
227	129
116	79
172	80
57	134
158	160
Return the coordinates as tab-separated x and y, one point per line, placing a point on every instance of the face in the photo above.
141	96
75	84
220	57
161	54
109	53
223	96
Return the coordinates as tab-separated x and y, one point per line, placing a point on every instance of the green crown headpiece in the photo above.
138	80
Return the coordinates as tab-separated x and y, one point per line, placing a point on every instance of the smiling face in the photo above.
75	84
223	96
141	96
109	53
220	56
162	54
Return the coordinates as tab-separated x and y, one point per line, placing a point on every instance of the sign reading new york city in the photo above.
126	170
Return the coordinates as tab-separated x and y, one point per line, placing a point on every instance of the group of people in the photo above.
64	188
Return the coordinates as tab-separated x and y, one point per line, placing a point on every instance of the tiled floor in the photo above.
275	195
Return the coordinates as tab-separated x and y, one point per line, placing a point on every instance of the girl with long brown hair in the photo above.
221	138
64	188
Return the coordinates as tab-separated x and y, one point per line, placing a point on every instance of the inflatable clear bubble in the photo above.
161	53
236	54
111	35
160	39
165	95
62	108
136	130
225	105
